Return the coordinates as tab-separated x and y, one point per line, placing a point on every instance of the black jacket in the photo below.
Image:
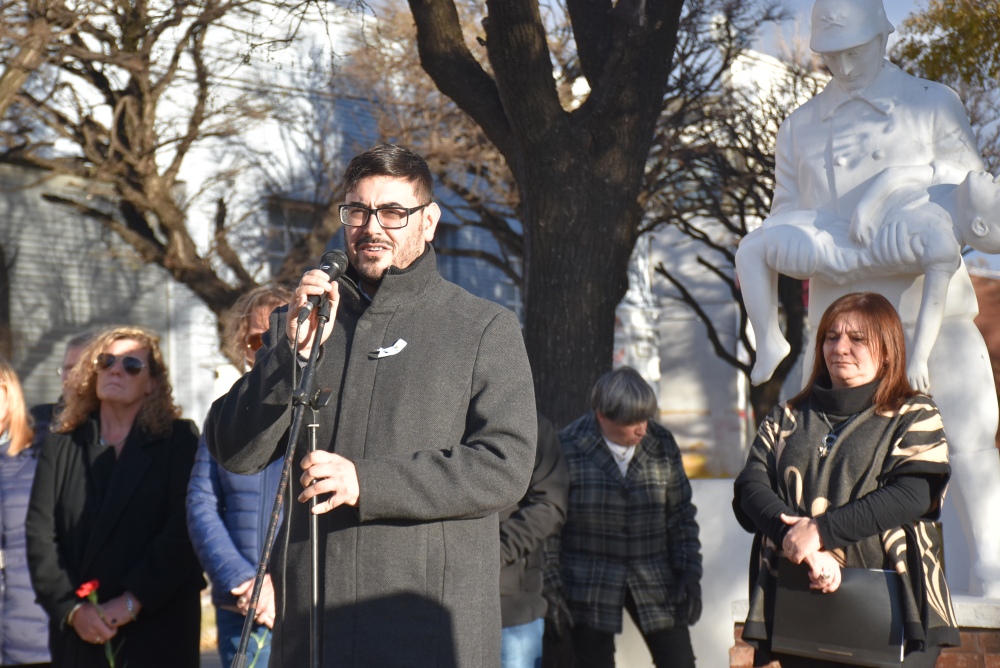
524	528
121	522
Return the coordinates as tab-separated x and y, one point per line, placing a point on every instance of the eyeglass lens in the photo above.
131	365
254	342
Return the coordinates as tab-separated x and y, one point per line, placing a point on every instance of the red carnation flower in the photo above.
87	588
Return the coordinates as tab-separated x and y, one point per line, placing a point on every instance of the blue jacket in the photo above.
227	518
24	626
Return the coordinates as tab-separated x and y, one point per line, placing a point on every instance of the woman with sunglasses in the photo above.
227	513
107	506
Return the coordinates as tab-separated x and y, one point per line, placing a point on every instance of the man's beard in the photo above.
371	273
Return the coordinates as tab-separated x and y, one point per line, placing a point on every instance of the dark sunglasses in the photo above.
131	365
254	342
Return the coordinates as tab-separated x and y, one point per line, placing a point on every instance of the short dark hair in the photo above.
624	397
395	161
883	334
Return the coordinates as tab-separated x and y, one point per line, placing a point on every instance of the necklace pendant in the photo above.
827	445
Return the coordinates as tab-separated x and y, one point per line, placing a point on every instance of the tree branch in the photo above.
713	335
446	58
519	56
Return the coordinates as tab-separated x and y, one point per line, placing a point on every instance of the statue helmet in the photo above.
844	24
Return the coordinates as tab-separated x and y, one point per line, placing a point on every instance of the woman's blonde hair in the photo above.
234	337
18	420
158	411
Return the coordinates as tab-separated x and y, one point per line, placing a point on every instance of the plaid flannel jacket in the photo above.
637	531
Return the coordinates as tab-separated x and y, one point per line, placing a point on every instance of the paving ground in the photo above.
209	653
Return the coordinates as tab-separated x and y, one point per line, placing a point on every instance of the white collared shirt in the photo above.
622	454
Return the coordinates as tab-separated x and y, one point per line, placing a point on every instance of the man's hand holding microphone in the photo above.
324	472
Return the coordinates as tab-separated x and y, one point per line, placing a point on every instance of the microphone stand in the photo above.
304	396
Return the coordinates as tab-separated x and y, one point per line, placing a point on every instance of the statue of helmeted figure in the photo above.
878	184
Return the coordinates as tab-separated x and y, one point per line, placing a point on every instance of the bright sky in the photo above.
896	10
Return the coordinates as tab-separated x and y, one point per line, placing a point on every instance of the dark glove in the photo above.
687	601
559	615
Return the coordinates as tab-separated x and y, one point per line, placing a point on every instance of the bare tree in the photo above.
132	95
578	170
30	31
564	99
296	178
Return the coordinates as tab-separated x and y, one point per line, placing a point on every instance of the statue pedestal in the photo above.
978	619
978	613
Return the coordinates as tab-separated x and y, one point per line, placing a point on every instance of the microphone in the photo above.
334	264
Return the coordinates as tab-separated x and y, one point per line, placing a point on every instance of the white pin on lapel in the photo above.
391	350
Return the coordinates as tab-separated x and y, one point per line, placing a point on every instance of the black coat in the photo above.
524	528
122	523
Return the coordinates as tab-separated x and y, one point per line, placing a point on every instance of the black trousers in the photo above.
671	648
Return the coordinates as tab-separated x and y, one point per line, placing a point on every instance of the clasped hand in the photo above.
98	624
265	611
329	473
802	543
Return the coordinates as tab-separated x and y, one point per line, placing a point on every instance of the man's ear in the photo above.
431	216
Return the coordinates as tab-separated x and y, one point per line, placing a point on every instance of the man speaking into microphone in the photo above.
430	432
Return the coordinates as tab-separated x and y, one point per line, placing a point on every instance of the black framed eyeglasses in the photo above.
389	217
132	365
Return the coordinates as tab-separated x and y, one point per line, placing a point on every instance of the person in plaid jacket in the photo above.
630	540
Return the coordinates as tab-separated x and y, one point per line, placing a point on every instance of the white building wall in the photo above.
703	399
67	275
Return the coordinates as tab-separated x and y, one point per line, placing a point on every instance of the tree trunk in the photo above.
574	279
578	171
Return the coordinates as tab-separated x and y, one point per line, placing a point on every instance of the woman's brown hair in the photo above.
158	411
883	332
18	421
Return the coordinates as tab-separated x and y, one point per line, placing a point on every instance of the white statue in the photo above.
878	185
903	225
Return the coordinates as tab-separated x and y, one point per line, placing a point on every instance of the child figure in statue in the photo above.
903	224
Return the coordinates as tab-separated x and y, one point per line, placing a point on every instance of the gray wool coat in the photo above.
442	434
